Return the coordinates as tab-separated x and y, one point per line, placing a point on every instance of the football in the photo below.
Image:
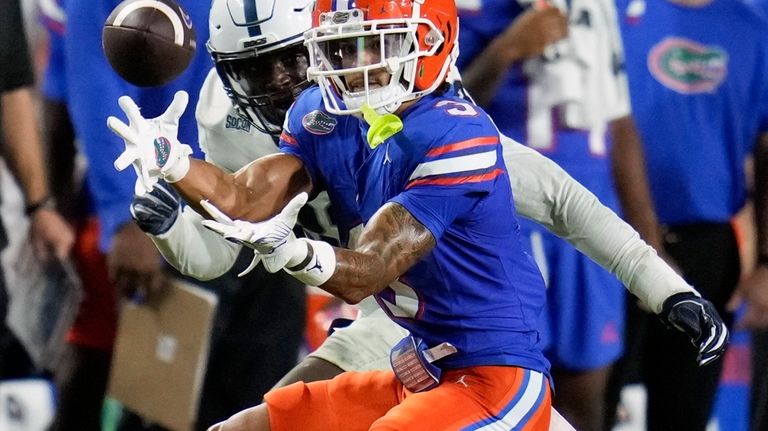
148	42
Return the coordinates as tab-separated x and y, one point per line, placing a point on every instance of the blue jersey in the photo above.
700	98
92	90
477	289
581	325
520	108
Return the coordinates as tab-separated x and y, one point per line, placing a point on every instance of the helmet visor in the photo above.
360	51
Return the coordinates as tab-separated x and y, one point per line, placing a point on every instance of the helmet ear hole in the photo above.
432	38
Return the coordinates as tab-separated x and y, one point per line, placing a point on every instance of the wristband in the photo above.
319	267
180	167
45	203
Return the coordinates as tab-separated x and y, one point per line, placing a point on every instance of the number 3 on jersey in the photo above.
456	108
398	299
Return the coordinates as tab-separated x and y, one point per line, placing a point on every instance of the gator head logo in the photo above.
688	67
318	123
162	150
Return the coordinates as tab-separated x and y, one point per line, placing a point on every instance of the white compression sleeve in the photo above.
545	193
194	250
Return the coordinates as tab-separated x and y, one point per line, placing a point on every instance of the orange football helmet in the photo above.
413	40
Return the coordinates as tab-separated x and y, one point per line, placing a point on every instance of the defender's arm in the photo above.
545	193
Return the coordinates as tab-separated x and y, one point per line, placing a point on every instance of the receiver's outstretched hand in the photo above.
151	145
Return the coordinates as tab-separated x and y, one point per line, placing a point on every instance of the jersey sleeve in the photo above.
295	140
456	170
546	194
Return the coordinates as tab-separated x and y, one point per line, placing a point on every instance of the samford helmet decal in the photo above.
318	123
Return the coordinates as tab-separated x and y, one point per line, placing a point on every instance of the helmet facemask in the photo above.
368	62
264	85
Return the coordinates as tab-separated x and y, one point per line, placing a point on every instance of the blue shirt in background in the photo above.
698	81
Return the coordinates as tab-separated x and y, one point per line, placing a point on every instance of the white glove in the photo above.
151	145
272	240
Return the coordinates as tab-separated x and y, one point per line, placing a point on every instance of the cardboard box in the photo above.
161	354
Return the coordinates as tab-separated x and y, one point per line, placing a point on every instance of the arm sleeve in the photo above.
547	195
457	170
194	250
292	144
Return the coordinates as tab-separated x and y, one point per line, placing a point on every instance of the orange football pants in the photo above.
473	398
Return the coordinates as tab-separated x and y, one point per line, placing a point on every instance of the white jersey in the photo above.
227	139
543	192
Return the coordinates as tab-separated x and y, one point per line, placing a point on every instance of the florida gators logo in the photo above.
162	151
688	67
318	123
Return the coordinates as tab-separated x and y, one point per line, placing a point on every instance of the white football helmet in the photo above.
257	47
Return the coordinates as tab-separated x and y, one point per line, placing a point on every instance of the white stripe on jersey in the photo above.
455	164
522	408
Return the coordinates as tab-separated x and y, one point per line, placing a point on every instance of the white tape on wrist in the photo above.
318	266
299	251
180	166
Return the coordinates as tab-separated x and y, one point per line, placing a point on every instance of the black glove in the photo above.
697	318
156	211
